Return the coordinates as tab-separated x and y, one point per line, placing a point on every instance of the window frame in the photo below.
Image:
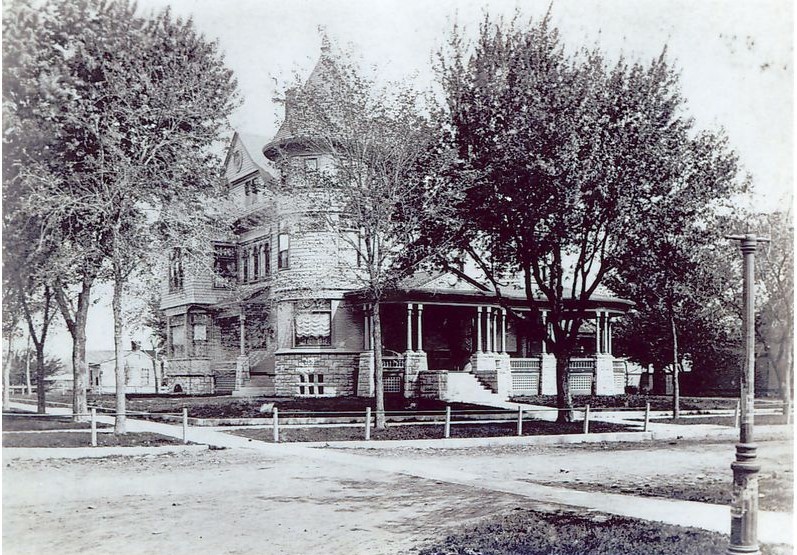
314	306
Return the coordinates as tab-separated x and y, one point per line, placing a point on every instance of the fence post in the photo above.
276	425
520	420
185	425
647	416
367	423
94	427
736	415
586	419
447	429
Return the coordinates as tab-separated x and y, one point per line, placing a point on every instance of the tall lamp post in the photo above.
744	503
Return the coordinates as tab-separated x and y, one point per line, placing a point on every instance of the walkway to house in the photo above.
773	527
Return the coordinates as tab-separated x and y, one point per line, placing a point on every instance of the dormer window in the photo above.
252	188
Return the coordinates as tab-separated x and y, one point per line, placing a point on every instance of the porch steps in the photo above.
464	387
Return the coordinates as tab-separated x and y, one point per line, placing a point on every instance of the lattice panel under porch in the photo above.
581	384
526	382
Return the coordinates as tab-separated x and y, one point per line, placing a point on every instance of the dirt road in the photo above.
240	502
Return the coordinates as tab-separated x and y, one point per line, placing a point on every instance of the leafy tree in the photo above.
668	269
134	106
775	280
561	156
376	194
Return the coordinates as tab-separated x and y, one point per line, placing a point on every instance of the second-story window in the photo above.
283	262
225	267
176	276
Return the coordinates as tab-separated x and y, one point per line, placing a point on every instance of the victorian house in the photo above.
282	313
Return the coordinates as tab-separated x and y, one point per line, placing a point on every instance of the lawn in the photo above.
657	402
237	407
83	439
526	532
775	488
421	431
762	419
35	422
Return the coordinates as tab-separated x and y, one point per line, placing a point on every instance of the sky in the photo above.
735	57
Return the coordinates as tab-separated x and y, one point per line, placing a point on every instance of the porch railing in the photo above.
525	364
392	363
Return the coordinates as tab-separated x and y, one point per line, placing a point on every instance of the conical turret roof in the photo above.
299	124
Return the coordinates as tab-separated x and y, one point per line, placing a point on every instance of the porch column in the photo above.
242	331
544	316
494	329
366	329
597	332
488	336
608	334
478	329
409	327
420	326
503	330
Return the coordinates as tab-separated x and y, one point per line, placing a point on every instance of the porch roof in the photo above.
468	292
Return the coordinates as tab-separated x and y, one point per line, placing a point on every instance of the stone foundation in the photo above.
414	364
548	374
190	384
604	375
338	371
365	375
433	384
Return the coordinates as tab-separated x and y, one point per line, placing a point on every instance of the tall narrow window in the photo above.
176	270
199	329
256	262
245	264
177	335
284	251
266	258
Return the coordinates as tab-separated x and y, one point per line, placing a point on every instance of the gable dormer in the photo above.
248	173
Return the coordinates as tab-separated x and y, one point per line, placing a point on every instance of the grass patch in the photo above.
762	419
23	422
569	533
80	439
775	488
418	431
235	407
657	402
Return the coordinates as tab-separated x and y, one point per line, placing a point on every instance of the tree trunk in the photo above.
119	367
7	374
80	369
27	368
41	401
378	386
77	329
564	401
676	363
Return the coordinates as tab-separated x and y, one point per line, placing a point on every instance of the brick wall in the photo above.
338	369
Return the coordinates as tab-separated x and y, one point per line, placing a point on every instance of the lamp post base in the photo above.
744	503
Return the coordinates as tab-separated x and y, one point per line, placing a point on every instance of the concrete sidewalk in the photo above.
773	527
